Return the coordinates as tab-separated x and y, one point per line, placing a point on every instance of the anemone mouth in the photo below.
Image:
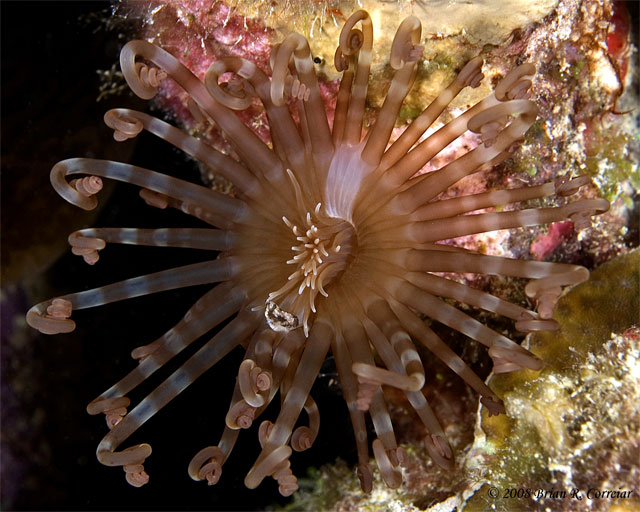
323	247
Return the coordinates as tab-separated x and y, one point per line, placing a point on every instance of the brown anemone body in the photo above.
332	244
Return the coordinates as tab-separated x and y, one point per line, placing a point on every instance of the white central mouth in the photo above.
324	246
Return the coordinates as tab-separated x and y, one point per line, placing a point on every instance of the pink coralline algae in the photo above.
332	243
546	243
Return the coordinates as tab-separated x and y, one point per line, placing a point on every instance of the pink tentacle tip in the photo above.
87	247
471	74
211	472
136	475
241	415
60	308
87	186
302	439
207	465
547	300
263	380
287	481
124	127
54	320
114	417
150	77
114	409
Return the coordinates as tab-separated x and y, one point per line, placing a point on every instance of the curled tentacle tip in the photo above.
55	320
530	323
351	42
264	431
114	417
405	48
136	475
124	126
365	475
352	39
104	405
287	481
142	80
580	212
87	186
409	54
302	439
340	61
387	461
114	409
263	381
471	74
149	77
440	451
244	421
546	295
494	406
253	383
211	472
442	446
237	93
287	490
89	257
87	247
155	76
240	415
207	465
566	186
516	83
60	308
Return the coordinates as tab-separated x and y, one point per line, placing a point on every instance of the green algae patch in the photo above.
610	161
609	302
574	425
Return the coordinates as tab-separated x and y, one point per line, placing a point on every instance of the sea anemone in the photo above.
332	242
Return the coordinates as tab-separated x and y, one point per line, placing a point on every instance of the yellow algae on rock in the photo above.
453	32
574	425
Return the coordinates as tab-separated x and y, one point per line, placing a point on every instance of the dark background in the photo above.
51	52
